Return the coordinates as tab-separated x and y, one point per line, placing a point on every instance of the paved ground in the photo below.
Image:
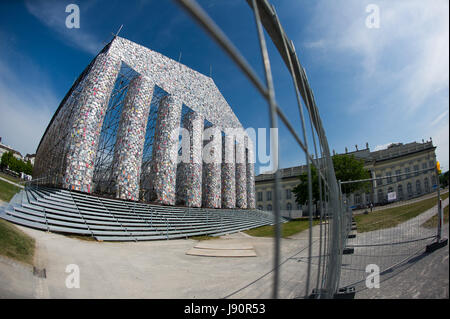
161	269
424	276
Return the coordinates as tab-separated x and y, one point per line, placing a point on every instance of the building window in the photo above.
400	191
418	188
409	189
424	166
260	196
380	195
379	181
416	170
431	164
288	194
299	206
407	171
427	185
433	180
289	206
398	172
269	207
389	177
269	196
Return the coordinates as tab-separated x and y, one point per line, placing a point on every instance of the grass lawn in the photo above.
16	244
287	229
391	217
7	191
10	178
433	221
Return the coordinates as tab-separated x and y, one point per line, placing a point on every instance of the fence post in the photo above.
439	207
439	241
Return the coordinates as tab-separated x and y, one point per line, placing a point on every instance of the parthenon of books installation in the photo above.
116	132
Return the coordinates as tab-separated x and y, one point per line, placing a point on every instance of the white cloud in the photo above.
439	131
52	14
400	71
409	53
439	118
381	147
26	103
315	44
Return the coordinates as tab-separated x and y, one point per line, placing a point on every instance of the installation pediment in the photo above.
196	90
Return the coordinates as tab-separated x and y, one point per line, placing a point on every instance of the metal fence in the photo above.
384	238
335	258
321	277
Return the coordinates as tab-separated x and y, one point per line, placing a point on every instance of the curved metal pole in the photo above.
273	124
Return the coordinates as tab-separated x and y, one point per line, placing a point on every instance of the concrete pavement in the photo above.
158	269
162	269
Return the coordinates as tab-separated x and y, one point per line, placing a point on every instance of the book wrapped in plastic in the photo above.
228	172
189	180
241	173
86	127
165	152
212	168
130	139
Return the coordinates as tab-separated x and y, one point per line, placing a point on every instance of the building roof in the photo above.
285	173
395	150
10	149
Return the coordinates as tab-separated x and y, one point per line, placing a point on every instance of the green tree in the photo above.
301	190
350	168
443	179
28	168
7	159
346	168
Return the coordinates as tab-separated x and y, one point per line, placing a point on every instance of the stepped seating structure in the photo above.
63	211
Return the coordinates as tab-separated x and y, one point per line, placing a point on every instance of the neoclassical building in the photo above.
117	131
413	161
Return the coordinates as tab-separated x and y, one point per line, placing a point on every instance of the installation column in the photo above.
250	160
212	159
130	138
85	131
228	171
241	172
190	176
165	152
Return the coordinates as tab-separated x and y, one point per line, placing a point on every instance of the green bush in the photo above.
9	161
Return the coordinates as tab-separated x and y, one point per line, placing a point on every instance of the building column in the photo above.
189	180
212	159
130	138
250	160
241	172
163	173
87	124
228	171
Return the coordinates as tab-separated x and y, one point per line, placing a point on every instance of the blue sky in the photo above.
379	86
